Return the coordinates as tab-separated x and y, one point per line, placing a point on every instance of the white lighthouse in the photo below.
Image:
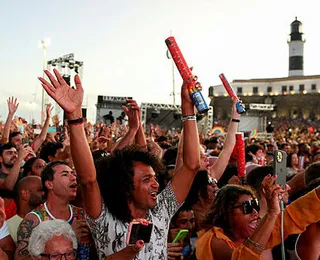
296	44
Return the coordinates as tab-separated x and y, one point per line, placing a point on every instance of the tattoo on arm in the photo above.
23	236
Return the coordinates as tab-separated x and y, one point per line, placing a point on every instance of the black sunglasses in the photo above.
248	206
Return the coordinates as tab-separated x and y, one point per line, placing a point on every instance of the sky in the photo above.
121	43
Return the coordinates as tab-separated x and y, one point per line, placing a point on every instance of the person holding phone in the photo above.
127	187
234	230
182	234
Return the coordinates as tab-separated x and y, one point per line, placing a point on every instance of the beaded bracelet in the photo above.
256	244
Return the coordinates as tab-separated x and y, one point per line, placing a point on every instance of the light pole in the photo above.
43	44
173	93
173	79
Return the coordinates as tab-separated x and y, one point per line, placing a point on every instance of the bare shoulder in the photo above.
220	249
23	235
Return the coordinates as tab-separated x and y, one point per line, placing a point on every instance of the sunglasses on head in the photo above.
248	206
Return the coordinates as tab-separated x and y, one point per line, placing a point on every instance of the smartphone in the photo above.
280	167
138	231
26	141
52	129
181	235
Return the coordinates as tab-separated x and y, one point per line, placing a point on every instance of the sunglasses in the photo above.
248	206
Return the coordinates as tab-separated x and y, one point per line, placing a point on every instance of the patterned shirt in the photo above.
110	233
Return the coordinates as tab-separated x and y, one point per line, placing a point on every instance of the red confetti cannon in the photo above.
186	73
241	159
232	94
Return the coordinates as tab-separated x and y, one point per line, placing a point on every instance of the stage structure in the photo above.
165	115
68	67
105	104
168	117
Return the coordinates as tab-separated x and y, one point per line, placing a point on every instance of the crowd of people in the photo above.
115	190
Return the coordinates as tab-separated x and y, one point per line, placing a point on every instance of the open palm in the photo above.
69	99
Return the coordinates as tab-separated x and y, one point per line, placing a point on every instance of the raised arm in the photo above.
140	138
133	113
179	160
12	107
218	168
184	175
36	144
70	100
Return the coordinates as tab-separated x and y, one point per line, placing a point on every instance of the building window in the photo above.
255	90
290	88
301	87
284	88
313	87
269	89
239	90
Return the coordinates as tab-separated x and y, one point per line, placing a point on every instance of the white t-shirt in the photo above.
4	230
110	234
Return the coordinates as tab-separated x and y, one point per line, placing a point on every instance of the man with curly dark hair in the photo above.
129	174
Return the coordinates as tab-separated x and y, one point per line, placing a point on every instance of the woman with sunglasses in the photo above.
233	230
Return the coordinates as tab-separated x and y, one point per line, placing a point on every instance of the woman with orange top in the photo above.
233	230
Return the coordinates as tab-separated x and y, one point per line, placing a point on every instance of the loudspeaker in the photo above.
100	99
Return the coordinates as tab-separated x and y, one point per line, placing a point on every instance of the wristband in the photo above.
75	121
188	118
257	245
235	120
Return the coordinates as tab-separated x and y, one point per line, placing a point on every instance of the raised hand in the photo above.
12	105
272	191
133	113
49	109
234	113
55	119
69	99
26	150
185	93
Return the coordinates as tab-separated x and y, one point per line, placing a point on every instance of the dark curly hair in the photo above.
225	199
115	178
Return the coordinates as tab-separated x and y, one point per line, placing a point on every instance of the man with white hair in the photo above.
52	239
